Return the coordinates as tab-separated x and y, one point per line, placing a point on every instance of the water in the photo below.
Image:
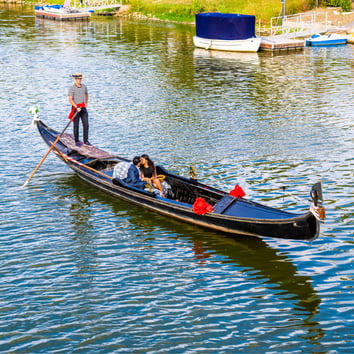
83	272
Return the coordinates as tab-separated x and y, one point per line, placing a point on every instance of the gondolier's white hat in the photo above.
77	76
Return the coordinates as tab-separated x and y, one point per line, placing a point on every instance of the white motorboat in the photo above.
227	32
326	39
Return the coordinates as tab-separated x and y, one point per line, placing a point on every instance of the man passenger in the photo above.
133	176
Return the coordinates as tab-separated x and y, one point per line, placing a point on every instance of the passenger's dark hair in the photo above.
146	157
136	160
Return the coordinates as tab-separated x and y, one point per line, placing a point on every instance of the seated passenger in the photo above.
133	177
148	173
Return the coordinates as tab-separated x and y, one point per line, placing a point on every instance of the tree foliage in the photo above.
346	5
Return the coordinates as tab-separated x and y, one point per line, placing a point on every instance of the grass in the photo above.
184	10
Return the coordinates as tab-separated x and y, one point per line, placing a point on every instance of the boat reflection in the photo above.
230	57
214	66
252	255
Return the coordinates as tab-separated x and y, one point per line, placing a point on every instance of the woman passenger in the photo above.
148	173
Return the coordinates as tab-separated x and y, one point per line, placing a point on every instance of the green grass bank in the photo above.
264	10
185	10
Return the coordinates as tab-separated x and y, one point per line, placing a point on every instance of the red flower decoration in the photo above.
201	207
237	192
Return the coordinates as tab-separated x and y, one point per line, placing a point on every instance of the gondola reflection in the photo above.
252	256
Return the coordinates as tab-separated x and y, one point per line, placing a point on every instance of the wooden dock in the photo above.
280	43
61	14
350	38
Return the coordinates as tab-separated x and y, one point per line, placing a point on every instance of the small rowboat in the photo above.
223	212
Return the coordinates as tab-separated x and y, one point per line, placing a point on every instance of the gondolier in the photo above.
78	98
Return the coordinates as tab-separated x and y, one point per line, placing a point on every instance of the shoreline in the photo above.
339	21
123	11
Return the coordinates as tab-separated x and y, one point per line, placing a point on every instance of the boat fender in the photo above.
201	207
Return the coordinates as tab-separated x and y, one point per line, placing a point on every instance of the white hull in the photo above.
241	45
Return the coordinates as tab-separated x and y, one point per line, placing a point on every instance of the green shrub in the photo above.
346	5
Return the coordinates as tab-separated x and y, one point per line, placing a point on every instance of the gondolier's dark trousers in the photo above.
83	115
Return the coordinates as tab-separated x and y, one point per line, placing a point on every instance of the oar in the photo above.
60	153
87	167
80	164
49	150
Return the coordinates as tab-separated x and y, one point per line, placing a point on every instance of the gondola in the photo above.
224	212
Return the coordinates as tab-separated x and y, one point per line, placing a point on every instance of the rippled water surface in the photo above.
83	272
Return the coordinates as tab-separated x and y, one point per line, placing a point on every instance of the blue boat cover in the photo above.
216	25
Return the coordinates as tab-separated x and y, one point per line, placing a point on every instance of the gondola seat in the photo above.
167	189
121	170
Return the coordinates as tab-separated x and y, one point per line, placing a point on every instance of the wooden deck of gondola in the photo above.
279	43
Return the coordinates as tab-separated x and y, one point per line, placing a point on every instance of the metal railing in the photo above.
299	24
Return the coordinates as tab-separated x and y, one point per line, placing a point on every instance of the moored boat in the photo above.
239	45
228	32
61	13
217	210
326	40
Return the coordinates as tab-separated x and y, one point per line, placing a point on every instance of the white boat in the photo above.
326	39
238	45
61	12
227	32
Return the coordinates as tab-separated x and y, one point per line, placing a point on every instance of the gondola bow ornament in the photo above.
34	110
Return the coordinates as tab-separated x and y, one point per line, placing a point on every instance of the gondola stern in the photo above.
317	208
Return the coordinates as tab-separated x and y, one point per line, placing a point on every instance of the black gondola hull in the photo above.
288	226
